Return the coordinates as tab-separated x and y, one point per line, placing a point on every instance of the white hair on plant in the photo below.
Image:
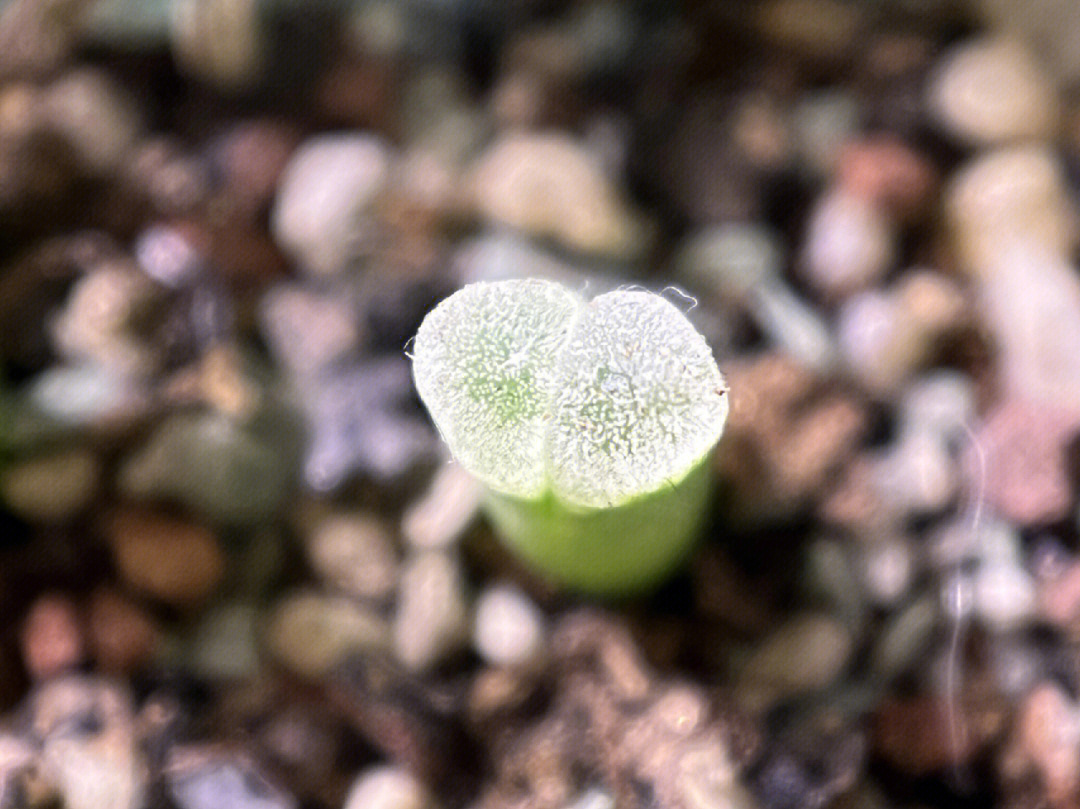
535	390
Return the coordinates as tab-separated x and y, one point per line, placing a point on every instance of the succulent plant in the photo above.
589	422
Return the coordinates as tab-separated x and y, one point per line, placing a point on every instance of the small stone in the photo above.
806	653
431	621
593	798
547	185
209	462
887	172
353	553
888	567
223	647
52	488
918	474
51	637
446	509
729	260
92	326
307	331
941	402
991	90
100	122
214	779
824	122
1004	596
86	394
705	777
177	562
1051	28
223	44
388	787
1048	733
829	576
86	730
1009	195
324	207
822	29
311	634
906	634
252	156
508	628
848	244
922	735
360	423
1031	300
1018	453
17	759
122	636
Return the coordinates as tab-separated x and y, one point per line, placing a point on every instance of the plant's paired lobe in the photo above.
588	421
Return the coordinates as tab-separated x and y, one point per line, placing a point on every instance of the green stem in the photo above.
606	551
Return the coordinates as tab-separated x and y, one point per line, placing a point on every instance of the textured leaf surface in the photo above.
485	363
534	390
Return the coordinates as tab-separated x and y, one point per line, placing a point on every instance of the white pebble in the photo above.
508	628
849	244
431	620
446	509
388	787
991	90
322	215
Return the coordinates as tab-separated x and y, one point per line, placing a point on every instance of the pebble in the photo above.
172	560
323	214
222	43
223	646
99	121
991	90
920	735
1048	733
806	653
508	628
907	633
168	255
51	488
85	729
941	402
308	331
17	759
208	462
820	29
1051	28
889	173
1005	596
353	553
213	779
85	394
1031	302
593	798
823	122
1015	194
848	244
706	779
388	787
887	567
917	475
51	637
443	513
431	621
731	259
884	336
311	634
359	423
1017	456
123	637
547	185
92	326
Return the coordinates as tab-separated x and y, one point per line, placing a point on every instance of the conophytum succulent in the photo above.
589	422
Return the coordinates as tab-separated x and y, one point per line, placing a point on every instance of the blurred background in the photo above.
237	570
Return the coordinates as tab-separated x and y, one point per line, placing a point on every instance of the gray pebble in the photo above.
431	621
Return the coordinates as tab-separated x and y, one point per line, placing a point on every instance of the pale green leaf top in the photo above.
535	390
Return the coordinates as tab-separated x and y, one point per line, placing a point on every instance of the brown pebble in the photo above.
51	637
122	636
175	561
923	734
